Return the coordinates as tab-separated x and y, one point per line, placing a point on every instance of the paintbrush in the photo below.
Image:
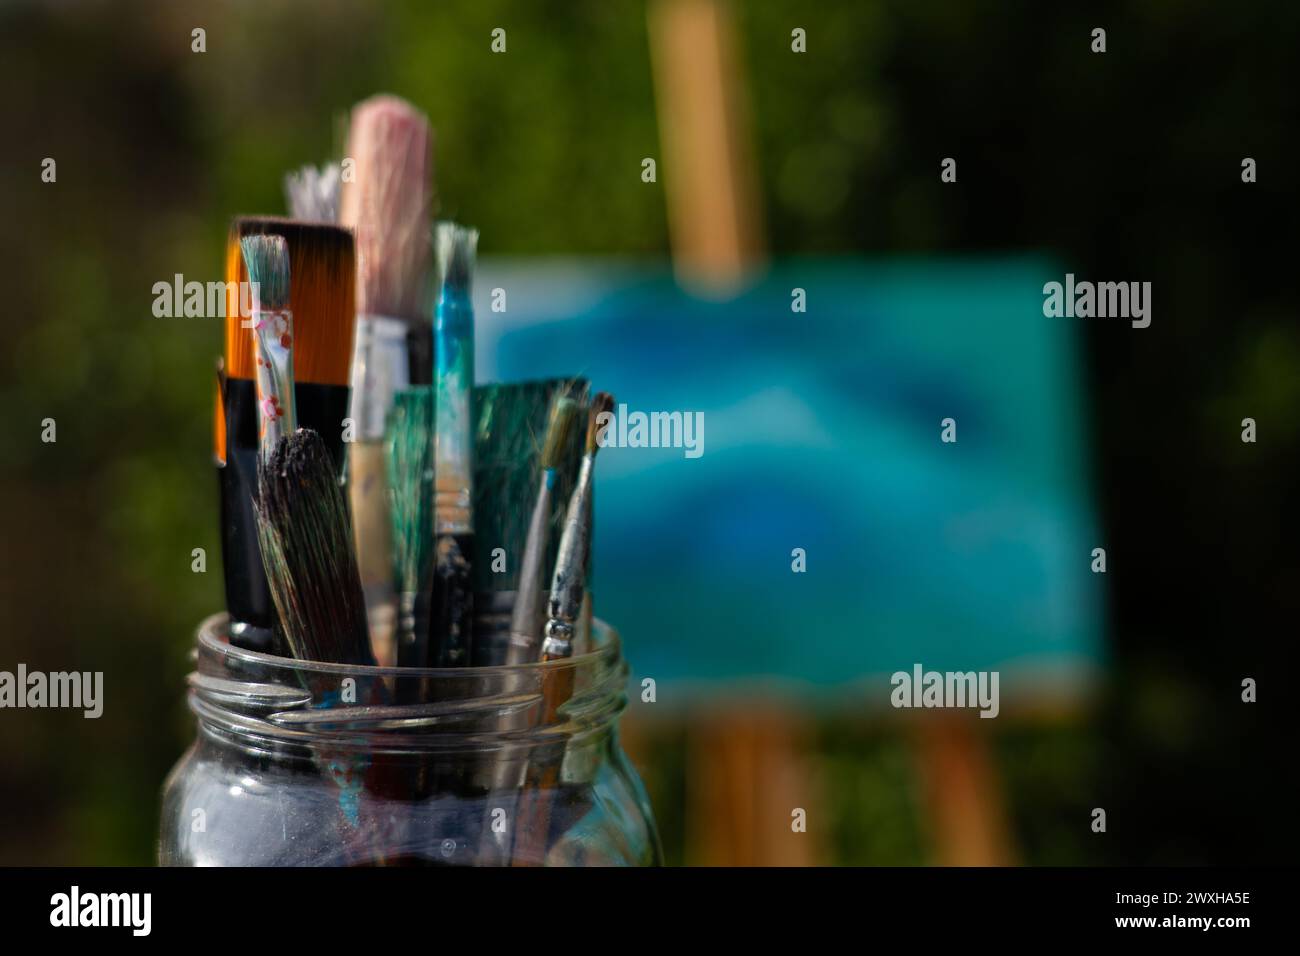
302	521
307	548
306	540
389	204
527	617
451	625
410	481
306	545
311	194
531	550
509	431
267	260
567	584
322	302
508	423
563	609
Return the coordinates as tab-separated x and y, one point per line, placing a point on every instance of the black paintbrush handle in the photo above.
248	598
453	601
419	353
321	408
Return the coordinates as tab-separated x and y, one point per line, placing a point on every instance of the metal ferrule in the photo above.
559	640
452	510
380	369
273	336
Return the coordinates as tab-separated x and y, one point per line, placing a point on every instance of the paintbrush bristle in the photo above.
306	543
457	249
267	259
410	483
602	403
322	259
510	429
312	194
564	414
389	202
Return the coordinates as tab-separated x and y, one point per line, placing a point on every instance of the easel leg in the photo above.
967	820
748	771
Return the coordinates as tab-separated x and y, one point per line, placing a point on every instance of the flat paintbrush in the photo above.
306	544
302	520
410	481
321	298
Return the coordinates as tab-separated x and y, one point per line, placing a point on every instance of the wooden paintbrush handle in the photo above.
542	789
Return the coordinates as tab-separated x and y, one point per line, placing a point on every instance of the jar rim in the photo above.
263	699
212	634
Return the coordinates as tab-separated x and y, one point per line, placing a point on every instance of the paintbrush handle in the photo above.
380	369
543	774
542	769
452	601
526	617
372	533
248	598
273	336
557	682
371	522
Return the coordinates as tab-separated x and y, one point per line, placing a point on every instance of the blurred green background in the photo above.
1127	165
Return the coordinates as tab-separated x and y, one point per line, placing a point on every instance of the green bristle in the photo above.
268	265
306	541
510	429
410	480
508	420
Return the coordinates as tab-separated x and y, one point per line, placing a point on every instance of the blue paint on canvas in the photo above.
821	431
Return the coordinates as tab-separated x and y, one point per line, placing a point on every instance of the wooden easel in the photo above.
748	769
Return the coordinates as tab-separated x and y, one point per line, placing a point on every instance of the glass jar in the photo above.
310	764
